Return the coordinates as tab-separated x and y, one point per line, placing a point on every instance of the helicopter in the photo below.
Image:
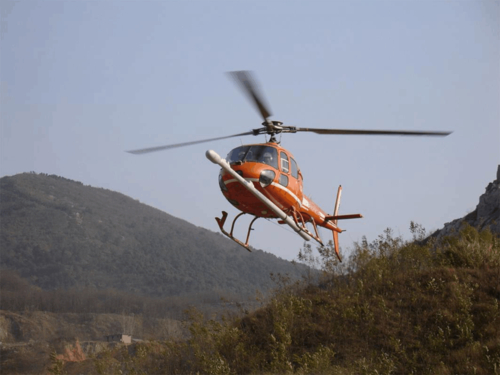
264	179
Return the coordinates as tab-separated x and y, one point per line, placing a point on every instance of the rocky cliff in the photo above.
486	215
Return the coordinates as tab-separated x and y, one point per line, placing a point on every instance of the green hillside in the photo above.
61	234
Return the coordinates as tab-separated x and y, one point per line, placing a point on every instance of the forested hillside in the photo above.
59	233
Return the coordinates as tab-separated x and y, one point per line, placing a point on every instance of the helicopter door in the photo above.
284	163
284	169
295	169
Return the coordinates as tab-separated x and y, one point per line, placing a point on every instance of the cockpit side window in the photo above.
284	162
295	168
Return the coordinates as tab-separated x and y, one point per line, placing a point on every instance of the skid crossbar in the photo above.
300	221
221	222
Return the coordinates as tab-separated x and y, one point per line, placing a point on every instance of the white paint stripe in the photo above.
273	184
289	192
235	180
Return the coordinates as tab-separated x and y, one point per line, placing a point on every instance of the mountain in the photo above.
59	233
485	216
393	307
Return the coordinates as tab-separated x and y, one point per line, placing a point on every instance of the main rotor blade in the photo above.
372	132
167	147
249	86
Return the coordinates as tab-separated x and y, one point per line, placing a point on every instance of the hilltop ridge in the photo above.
59	233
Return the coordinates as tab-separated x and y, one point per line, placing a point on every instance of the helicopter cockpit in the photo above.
257	153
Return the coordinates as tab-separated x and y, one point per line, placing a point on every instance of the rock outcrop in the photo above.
72	353
486	215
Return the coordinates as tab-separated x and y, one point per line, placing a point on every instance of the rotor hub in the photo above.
273	127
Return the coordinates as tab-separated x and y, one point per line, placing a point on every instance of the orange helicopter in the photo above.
264	180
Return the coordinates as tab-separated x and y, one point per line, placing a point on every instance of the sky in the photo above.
84	81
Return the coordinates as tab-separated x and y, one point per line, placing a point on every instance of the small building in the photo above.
126	339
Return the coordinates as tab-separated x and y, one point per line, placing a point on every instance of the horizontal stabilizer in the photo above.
343	217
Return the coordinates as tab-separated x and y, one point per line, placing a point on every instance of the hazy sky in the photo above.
83	81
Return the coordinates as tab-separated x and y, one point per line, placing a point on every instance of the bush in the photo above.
471	249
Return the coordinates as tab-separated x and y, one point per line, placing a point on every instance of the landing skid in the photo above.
299	222
221	222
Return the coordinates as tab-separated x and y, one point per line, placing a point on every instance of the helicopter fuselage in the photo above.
274	172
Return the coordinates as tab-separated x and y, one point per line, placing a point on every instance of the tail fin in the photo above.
335	218
337	205
336	244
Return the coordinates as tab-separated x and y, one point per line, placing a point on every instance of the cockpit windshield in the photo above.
259	154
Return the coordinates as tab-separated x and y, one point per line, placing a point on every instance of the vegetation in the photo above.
18	295
395	307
